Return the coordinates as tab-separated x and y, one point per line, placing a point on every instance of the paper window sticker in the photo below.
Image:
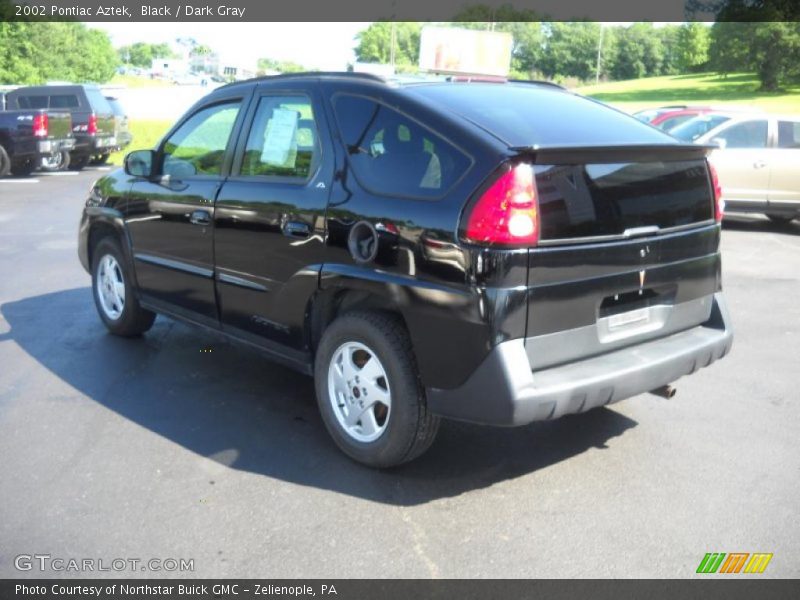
280	139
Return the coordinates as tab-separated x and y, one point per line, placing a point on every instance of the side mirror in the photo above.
139	163
719	142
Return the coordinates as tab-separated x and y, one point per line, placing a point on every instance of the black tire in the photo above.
24	168
780	219
5	162
77	163
59	164
100	159
409	428
133	319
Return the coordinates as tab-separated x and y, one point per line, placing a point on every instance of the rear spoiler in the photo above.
560	155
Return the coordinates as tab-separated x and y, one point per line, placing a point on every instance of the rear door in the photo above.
784	189
171	216
628	252
270	215
743	164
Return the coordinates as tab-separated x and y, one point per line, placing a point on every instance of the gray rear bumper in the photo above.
504	391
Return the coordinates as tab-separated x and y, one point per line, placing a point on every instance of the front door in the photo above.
270	217
170	217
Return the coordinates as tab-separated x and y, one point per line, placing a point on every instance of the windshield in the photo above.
697	127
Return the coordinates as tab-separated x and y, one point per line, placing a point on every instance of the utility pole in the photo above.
599	55
393	41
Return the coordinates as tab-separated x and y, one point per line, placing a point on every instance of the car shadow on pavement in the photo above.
759	224
228	403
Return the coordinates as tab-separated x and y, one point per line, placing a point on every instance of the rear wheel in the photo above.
5	163
780	219
369	393
55	162
114	294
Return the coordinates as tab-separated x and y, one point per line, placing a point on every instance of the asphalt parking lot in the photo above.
179	445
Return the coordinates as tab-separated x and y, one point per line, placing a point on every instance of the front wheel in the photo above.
114	295
368	390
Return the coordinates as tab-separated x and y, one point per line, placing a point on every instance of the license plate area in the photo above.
631	317
632	313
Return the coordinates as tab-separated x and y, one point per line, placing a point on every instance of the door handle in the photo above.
759	164
200	217
296	229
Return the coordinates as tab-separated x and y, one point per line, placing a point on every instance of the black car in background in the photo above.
499	253
93	122
30	135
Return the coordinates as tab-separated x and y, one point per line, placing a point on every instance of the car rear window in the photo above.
529	114
394	155
97	101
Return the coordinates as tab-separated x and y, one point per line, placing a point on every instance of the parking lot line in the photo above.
19	181
59	174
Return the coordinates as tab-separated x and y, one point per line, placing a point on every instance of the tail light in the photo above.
92	127
719	201
507	214
40	125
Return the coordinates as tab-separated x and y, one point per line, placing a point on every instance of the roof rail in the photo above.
353	74
539	82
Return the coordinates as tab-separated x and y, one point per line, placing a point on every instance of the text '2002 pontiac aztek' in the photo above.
499	253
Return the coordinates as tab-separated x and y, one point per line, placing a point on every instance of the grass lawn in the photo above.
739	89
146	135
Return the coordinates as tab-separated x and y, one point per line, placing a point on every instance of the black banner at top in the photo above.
397	10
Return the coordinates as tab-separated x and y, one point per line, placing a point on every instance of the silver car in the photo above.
757	160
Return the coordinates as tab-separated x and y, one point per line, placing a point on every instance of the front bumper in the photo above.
504	390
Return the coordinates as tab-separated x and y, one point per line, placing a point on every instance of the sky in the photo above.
325	46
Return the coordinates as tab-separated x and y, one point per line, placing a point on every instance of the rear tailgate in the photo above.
628	250
59	125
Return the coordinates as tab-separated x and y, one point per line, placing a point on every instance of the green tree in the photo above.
571	50
770	44
141	54
38	51
374	43
640	52
283	66
694	41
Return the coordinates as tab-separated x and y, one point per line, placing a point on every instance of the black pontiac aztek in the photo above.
494	252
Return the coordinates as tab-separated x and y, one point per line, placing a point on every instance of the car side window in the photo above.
64	101
32	101
394	155
749	134
283	139
788	134
198	146
668	124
